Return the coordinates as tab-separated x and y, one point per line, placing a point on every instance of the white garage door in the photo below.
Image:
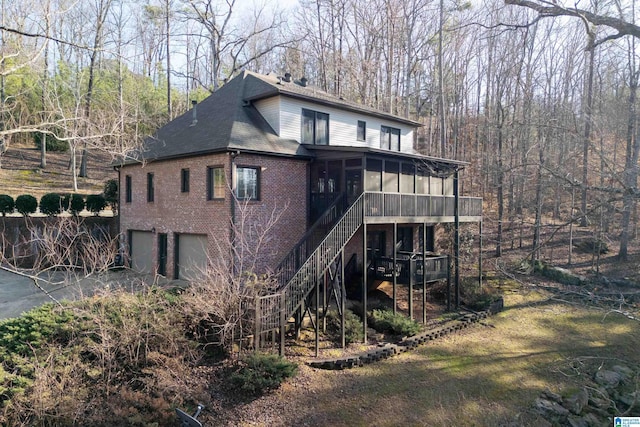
192	255
141	246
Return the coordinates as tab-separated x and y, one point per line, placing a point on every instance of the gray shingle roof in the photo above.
224	122
295	90
227	121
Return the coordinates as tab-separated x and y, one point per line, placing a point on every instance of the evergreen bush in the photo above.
111	194
26	204
74	203
53	144
259	372
95	203
353	328
51	204
397	324
7	204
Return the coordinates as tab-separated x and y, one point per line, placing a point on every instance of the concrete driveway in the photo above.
19	294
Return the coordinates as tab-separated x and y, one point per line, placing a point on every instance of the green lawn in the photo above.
488	375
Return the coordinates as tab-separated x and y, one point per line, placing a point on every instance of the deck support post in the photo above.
256	338
343	299
365	274
424	273
448	283
395	266
283	321
325	300
412	282
317	322
456	243
480	255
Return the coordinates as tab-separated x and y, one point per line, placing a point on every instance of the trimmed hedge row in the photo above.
52	204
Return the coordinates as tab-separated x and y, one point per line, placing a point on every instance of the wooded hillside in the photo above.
539	97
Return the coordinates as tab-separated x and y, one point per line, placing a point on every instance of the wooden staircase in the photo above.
305	266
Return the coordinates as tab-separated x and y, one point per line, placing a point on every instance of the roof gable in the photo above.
227	121
223	122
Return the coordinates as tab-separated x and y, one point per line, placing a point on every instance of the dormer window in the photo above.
315	127
390	138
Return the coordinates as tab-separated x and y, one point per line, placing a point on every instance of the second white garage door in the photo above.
192	255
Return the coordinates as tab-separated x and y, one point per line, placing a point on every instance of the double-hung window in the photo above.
315	127
248	183
390	138
215	182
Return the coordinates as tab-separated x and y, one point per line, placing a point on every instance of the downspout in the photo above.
232	186
119	169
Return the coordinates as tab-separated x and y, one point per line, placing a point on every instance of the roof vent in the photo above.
303	82
287	77
195	112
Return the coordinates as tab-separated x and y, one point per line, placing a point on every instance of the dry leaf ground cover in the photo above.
488	375
20	172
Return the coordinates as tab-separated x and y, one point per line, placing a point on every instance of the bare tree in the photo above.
223	296
228	38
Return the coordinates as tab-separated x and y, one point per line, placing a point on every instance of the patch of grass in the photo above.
484	376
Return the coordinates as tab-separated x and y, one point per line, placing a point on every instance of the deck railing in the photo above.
435	266
310	241
301	269
417	205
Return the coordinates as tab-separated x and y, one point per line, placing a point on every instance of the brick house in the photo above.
355	199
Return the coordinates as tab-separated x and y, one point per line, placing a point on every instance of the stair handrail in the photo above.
303	281
288	266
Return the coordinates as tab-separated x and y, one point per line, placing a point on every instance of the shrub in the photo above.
353	330
477	298
35	329
74	203
51	204
397	324
53	143
26	204
111	194
259	372
7	205
96	203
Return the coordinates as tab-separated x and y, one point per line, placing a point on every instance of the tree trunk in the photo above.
630	177
587	131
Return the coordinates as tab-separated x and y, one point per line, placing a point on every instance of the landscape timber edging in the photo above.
409	343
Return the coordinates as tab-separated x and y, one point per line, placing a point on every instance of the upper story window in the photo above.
150	189
248	183
127	189
362	130
315	127
390	138
215	182
184	180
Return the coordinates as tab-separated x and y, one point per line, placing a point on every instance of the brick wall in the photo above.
283	191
